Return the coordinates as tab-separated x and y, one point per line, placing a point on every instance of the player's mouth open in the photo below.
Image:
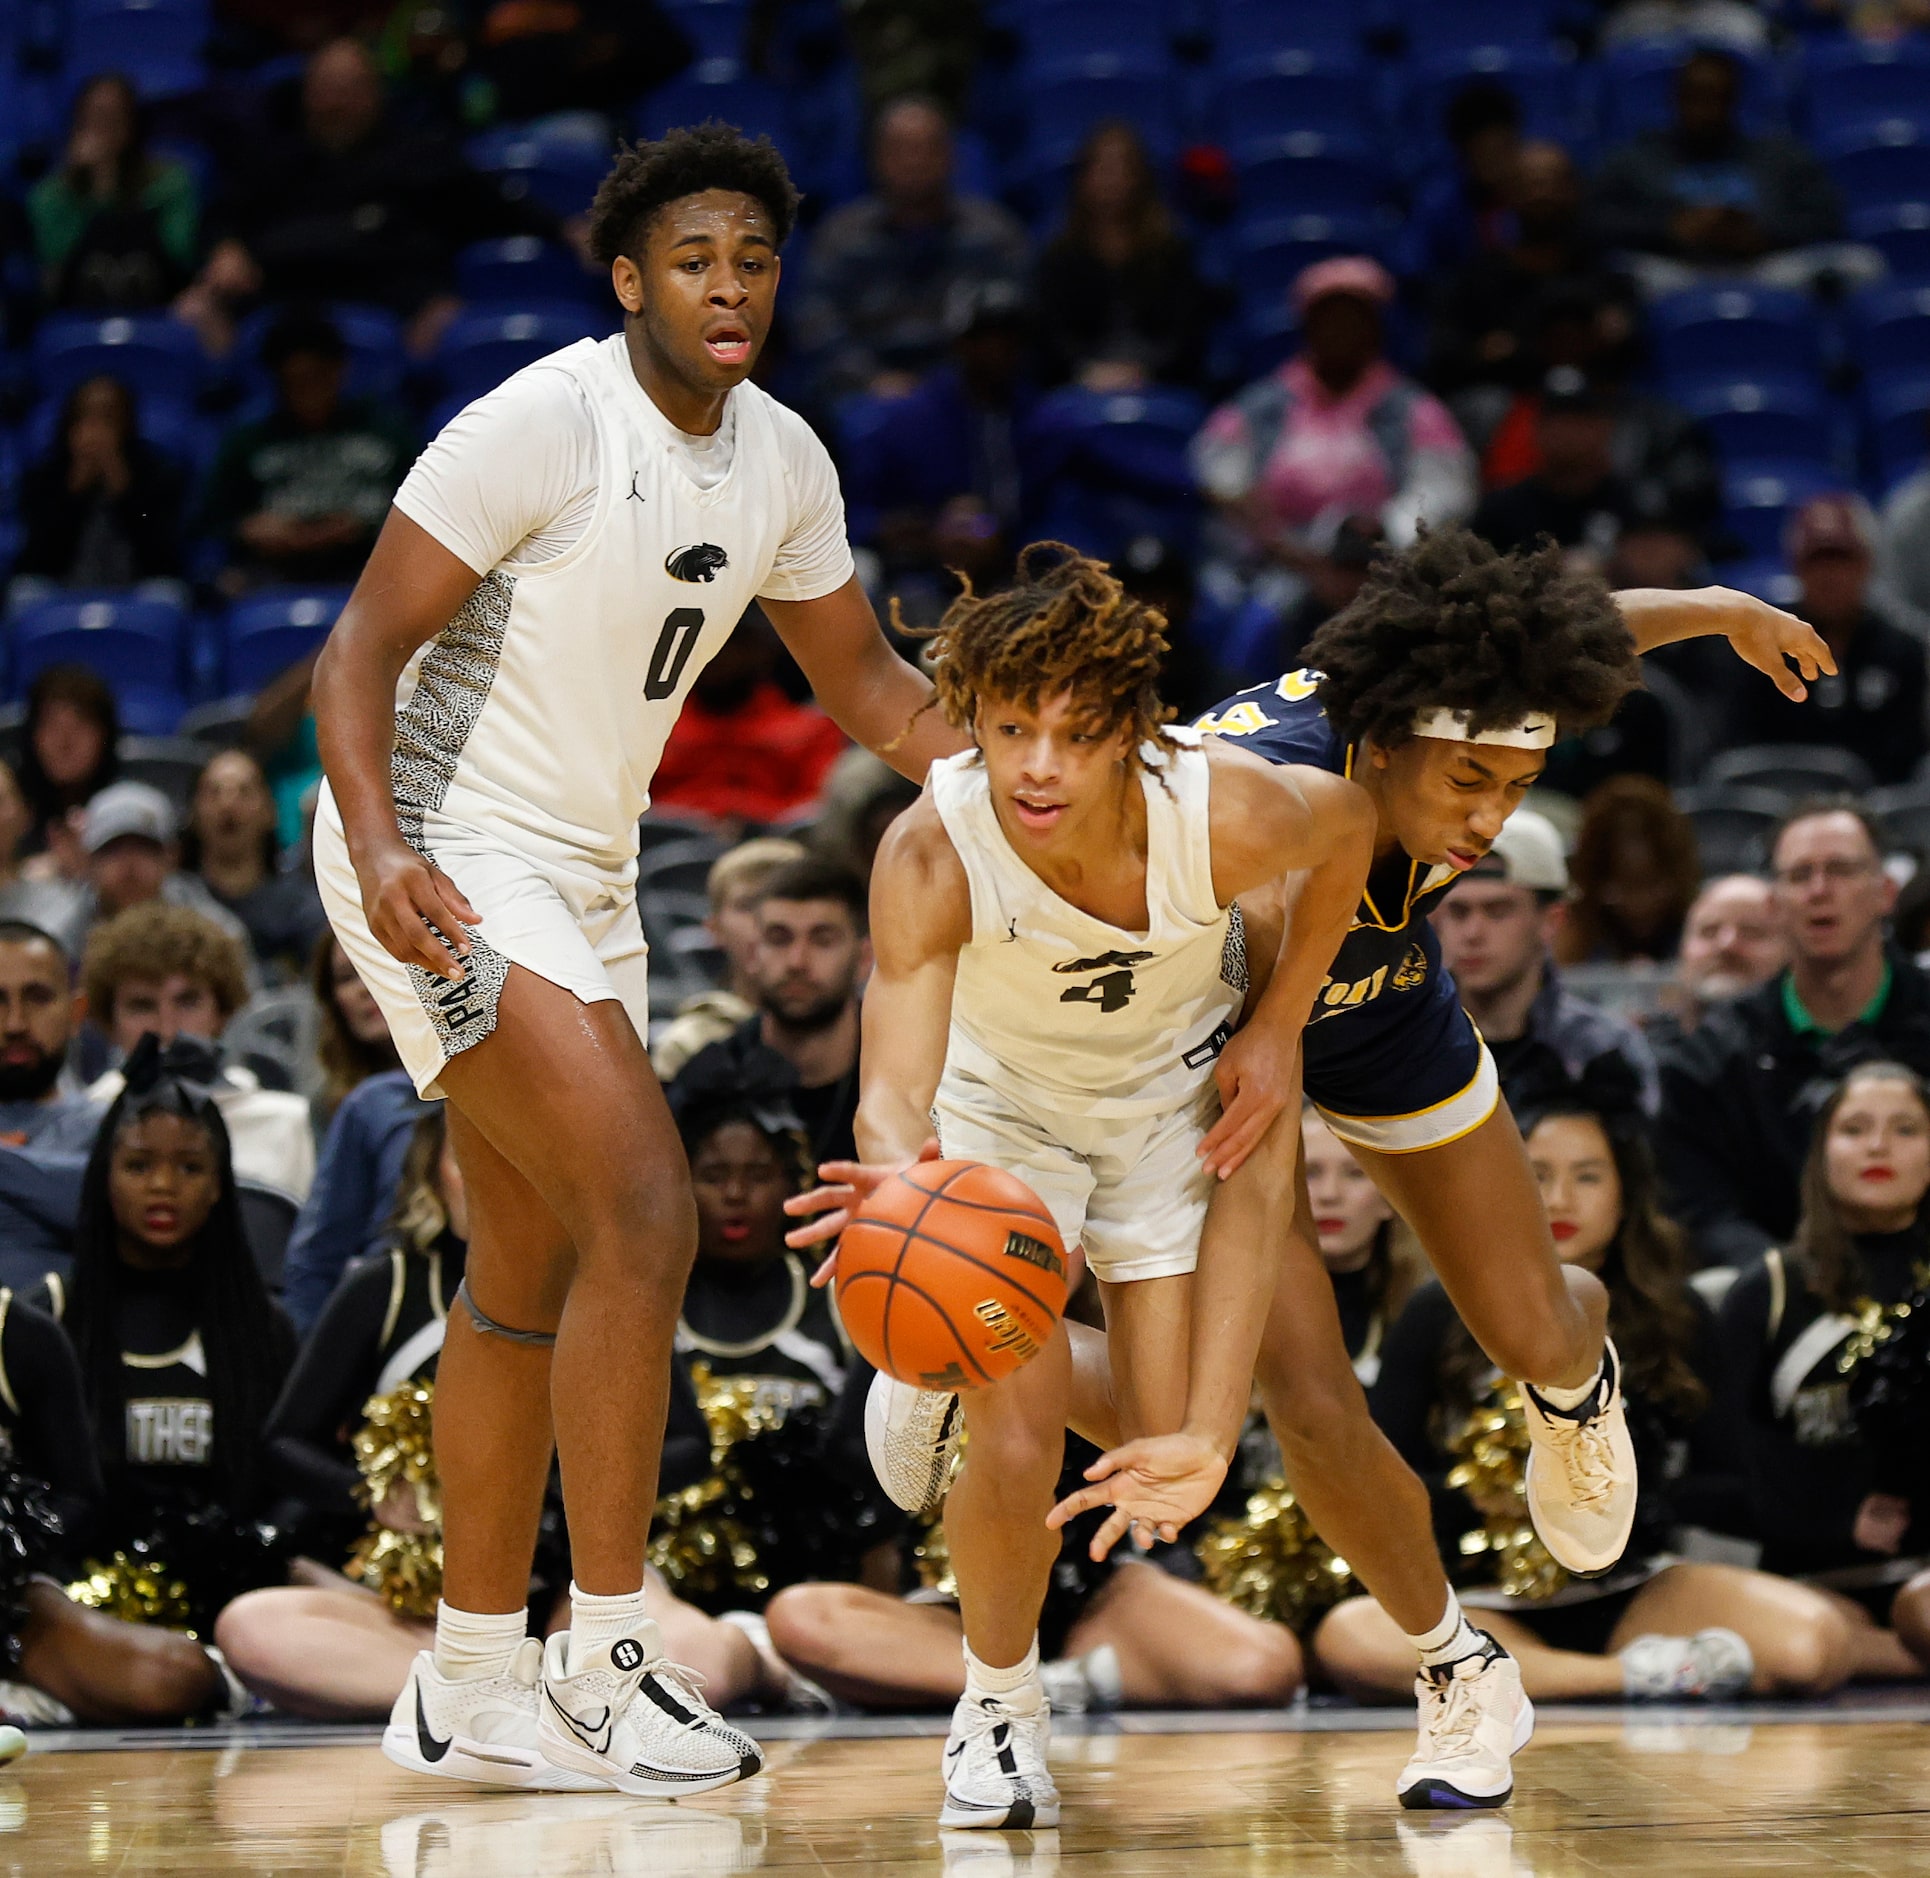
1040	815
728	345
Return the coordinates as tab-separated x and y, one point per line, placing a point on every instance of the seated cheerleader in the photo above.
1355	1226
180	1352
1654	1627
1834	1466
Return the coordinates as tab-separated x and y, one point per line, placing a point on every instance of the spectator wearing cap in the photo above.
1498	930
129	836
1874	704
938	483
1120	301
1335	431
885	268
297	495
1703	197
1732	941
1741	1091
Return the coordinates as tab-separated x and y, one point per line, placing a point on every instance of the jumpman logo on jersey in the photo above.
1112	990
634	495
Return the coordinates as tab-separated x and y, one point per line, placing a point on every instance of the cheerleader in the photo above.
1800	1326
1355	1225
1655	1627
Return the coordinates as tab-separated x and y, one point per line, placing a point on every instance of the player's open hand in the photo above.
1258	1078
847	1185
405	896
1768	638
1154	1487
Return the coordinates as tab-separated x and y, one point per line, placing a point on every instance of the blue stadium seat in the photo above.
557	166
1311	174
1064	102
716	27
1432	27
128	641
1258	29
1069	32
177	430
1270	253
1738	331
1757	497
372	334
155	355
1264	100
1114	465
719	88
1785	419
1900	232
149	710
270	630
519	269
1879	164
484	345
159	44
1898	412
1849	81
1890	330
1638	89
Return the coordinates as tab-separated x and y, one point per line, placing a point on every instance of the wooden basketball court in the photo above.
1839	1789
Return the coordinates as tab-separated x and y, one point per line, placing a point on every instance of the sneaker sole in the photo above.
1430	1794
1020	1816
490	1764
560	1751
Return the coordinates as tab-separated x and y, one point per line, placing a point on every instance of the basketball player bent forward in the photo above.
1059	962
561	563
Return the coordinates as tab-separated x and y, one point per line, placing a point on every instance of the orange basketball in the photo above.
951	1275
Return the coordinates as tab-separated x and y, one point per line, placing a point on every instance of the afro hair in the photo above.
647	177
1452	624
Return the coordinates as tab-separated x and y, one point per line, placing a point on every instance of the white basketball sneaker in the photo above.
995	1772
638	1721
481	1729
1581	1474
1712	1666
1474	1719
912	1438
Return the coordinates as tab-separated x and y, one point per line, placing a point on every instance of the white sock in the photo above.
1450	1640
1569	1398
473	1644
595	1620
983	1679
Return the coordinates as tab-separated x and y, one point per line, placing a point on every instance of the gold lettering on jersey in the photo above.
1297	687
170	1431
1242	720
1019	1245
1340	994
1007	1332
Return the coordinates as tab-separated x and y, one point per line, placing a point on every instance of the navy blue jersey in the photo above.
1388	998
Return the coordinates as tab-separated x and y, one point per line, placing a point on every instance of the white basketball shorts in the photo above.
1132	1190
574	930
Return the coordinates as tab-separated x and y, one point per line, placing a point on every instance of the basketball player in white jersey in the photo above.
559	566
1059	963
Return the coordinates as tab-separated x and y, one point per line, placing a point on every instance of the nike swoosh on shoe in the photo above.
432	1749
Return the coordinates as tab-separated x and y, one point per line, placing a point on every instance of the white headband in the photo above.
1530	733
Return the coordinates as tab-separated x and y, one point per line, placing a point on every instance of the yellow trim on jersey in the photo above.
1432	1127
1243	719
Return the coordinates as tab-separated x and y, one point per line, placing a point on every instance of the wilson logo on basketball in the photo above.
1009	1336
1021	1245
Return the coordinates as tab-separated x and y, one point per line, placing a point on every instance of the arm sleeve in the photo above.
329	1382
56	1443
503	468
815	557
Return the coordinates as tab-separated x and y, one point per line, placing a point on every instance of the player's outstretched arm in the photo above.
921	917
1762	635
1269	821
871	694
411	587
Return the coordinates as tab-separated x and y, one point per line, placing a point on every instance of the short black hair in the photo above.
813	879
302	330
1453	624
1810	807
647	177
1481	104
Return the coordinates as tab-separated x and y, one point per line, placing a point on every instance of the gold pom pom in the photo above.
136	1591
1493	1473
395	1447
1272	1564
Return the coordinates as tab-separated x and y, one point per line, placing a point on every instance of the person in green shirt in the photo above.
114	227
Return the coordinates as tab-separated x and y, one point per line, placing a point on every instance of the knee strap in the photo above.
488	1326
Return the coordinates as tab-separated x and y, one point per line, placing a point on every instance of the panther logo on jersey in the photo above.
703	562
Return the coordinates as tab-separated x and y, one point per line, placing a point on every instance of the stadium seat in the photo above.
1555	95
1256	104
1114	466
175	429
1069	32
128	641
153	355
1782	419
148	710
1462	25
269	631
519	270
1900	232
559	167
372	334
1758	496
1904	812
1270	252
1790	769
1849	82
1898	414
1260	29
1064	102
1890	330
1638	89
717	87
1734	331
1733	826
1881	164
485	345
716	27
171	764
159	44
1306	173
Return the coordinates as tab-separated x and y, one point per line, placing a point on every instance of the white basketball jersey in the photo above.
538	715
1060	1008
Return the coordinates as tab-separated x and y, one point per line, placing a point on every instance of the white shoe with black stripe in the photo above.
1475	1718
480	1729
995	1773
638	1721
